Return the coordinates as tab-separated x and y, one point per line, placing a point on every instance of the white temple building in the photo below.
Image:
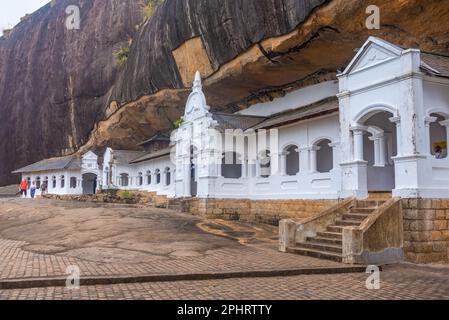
382	126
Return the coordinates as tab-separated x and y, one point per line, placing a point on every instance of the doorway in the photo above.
380	147
89	183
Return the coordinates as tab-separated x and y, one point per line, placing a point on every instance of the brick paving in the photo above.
51	224
398	282
150	234
16	263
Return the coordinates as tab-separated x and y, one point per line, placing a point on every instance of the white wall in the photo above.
58	190
389	79
133	171
307	184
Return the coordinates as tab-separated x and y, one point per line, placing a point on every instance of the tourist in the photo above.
439	154
44	188
23	188
33	190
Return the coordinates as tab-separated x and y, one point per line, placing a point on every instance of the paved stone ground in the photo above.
43	238
397	282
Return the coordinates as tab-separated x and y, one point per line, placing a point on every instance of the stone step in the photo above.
355	216
316	254
380	195
325	247
369	203
348	223
336	229
330	235
367	210
326	240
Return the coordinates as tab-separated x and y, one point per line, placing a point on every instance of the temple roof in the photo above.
158	137
53	164
439	64
126	156
236	121
326	106
152	155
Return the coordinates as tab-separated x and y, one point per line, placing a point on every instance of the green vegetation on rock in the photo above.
150	8
122	55
178	123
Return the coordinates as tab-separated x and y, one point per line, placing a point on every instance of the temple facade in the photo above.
381	127
354	170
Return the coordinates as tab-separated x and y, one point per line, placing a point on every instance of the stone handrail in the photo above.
292	232
379	239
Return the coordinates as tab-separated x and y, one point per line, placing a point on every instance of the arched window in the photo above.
62	181
158	176
167	176
265	164
38	182
148	177
230	168
53	184
73	183
29	182
46	182
291	160
140	179
324	156
438	137
124	180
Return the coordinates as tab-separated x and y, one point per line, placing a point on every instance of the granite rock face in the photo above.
61	92
55	82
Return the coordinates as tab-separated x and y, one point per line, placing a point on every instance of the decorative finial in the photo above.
197	84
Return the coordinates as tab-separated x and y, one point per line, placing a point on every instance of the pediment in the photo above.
375	51
90	156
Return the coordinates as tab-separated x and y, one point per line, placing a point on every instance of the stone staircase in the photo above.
329	244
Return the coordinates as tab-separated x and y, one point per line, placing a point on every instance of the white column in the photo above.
376	150
258	171
313	159
244	167
445	123
335	150
427	122
397	121
358	143
284	163
303	160
274	164
382	150
187	176
219	164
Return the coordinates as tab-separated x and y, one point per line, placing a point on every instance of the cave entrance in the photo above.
90	183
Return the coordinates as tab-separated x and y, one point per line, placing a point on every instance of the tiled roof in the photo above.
438	63
236	121
157	137
317	109
126	156
63	163
152	155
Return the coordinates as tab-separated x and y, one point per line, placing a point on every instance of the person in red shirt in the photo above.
23	187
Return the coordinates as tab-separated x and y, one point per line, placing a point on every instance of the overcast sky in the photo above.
12	10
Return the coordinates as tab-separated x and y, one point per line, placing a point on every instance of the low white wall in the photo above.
151	166
300	186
